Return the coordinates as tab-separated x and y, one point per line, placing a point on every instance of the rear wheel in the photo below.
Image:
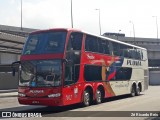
86	98
138	91
98	96
133	91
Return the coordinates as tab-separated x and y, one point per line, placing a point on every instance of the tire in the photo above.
138	91
86	98
98	96
133	91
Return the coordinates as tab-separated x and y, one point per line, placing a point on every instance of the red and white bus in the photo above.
61	67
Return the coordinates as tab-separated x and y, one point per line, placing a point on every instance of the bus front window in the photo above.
40	73
45	43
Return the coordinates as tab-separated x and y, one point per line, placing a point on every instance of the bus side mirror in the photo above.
68	62
64	60
13	71
14	68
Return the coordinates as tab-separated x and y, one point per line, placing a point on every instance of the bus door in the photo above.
71	90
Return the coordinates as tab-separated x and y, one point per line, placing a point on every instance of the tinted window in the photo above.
40	73
69	76
131	53
46	42
123	73
138	54
91	43
75	41
92	73
103	46
142	57
126	51
73	56
122	50
116	48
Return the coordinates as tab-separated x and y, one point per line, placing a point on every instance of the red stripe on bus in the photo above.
41	56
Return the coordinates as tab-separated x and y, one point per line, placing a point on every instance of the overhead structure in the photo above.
11	43
12	39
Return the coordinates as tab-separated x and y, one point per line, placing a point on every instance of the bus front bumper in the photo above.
40	101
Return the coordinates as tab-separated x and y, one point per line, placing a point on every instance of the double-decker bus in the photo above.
61	67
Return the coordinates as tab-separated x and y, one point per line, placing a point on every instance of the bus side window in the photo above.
103	46
141	54
123	73
68	75
91	43
75	41
32	45
92	73
116	48
126	51
123	51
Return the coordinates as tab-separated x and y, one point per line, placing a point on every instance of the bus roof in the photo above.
55	29
77	30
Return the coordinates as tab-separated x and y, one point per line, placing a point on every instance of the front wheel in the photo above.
86	98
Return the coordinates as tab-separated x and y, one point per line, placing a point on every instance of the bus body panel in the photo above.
95	70
72	93
40	96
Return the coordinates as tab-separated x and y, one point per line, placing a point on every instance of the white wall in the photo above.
154	77
6	58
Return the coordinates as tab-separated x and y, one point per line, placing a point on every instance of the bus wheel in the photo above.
98	96
138	91
133	91
86	98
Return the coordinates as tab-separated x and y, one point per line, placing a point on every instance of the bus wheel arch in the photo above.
87	96
99	94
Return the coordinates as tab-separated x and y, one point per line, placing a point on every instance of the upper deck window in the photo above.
91	43
75	41
45	43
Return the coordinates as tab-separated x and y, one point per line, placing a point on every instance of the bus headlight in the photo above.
21	95
54	95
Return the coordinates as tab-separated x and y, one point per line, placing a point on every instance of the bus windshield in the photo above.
40	73
45	43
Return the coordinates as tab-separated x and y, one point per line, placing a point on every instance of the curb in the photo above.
8	94
9	91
